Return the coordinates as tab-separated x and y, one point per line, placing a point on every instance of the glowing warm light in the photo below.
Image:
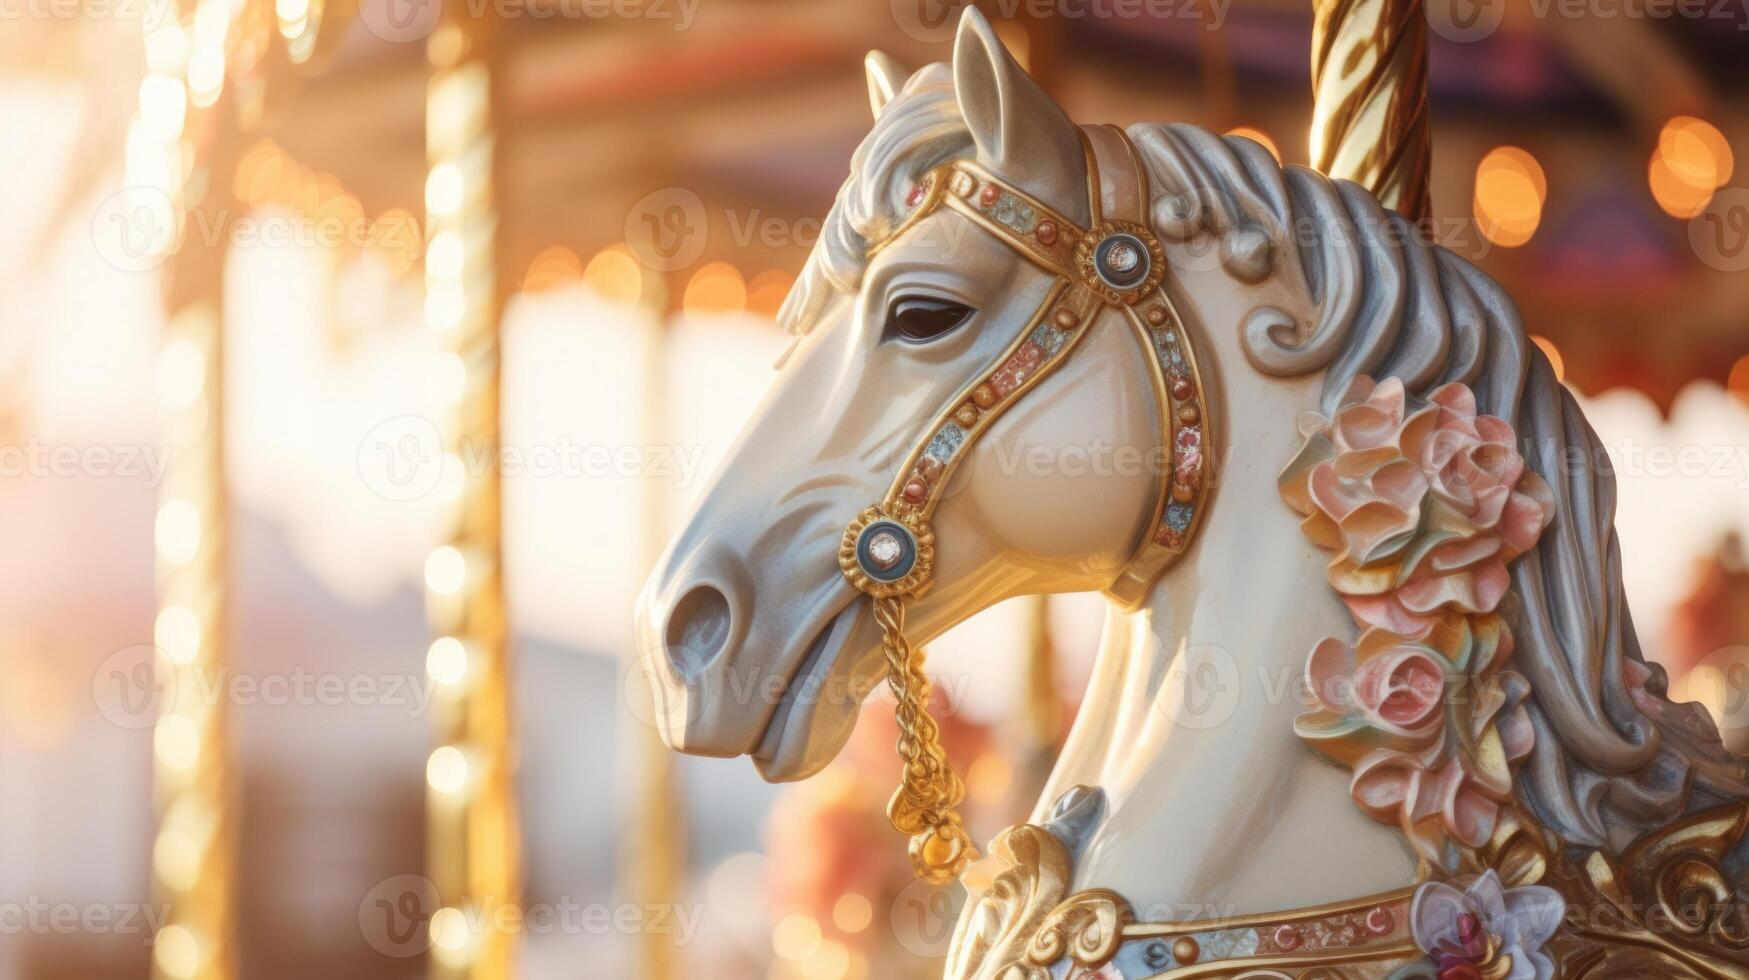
830	960
445	570
447	772
291	13
444	256
449	930
176	742
177	531
717	287
1252	133
175	952
767	291
615	275
163	106
449	377
1696	152
1510	190
1738	381
443	306
176	631
206	74
795	937
1676	196
447	661
176	858
181	373
443	189
554	266
1553	353
989	777
852	912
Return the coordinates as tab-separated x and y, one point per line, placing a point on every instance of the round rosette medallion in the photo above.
887	554
1120	261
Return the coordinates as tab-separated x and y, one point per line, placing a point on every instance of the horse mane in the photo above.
1614	757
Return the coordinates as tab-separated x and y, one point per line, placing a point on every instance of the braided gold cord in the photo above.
929	789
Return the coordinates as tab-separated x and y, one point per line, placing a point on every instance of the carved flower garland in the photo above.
1423	509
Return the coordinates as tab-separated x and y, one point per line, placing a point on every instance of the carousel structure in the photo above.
1353	445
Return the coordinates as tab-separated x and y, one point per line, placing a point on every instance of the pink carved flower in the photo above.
1487	928
1393	688
1423	508
1432	734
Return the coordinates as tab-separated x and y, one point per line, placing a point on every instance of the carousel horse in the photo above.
1368	703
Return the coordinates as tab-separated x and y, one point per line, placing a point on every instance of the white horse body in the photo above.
1210	804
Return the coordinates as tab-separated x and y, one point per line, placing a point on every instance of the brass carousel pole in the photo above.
1369	111
473	848
654	858
194	789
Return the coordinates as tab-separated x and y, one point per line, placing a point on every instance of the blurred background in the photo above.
355	361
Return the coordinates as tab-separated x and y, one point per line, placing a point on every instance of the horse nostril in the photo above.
697	628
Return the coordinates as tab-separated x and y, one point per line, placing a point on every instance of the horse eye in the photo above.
918	318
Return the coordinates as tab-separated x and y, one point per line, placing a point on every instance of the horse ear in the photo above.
885	79
1020	132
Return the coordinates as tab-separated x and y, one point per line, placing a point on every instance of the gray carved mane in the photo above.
1607	767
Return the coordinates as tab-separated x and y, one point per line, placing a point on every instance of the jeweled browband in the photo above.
888	551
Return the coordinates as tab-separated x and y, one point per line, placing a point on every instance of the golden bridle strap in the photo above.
888	551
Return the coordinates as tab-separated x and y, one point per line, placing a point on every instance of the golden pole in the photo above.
193	787
473	848
1369	110
655	855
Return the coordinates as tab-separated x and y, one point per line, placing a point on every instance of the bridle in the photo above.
888	551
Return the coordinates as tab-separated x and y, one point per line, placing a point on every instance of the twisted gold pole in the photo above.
472	846
929	789
1369	111
193	865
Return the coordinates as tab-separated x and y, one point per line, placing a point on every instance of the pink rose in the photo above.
1424	508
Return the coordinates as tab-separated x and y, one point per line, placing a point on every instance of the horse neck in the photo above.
1213	805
